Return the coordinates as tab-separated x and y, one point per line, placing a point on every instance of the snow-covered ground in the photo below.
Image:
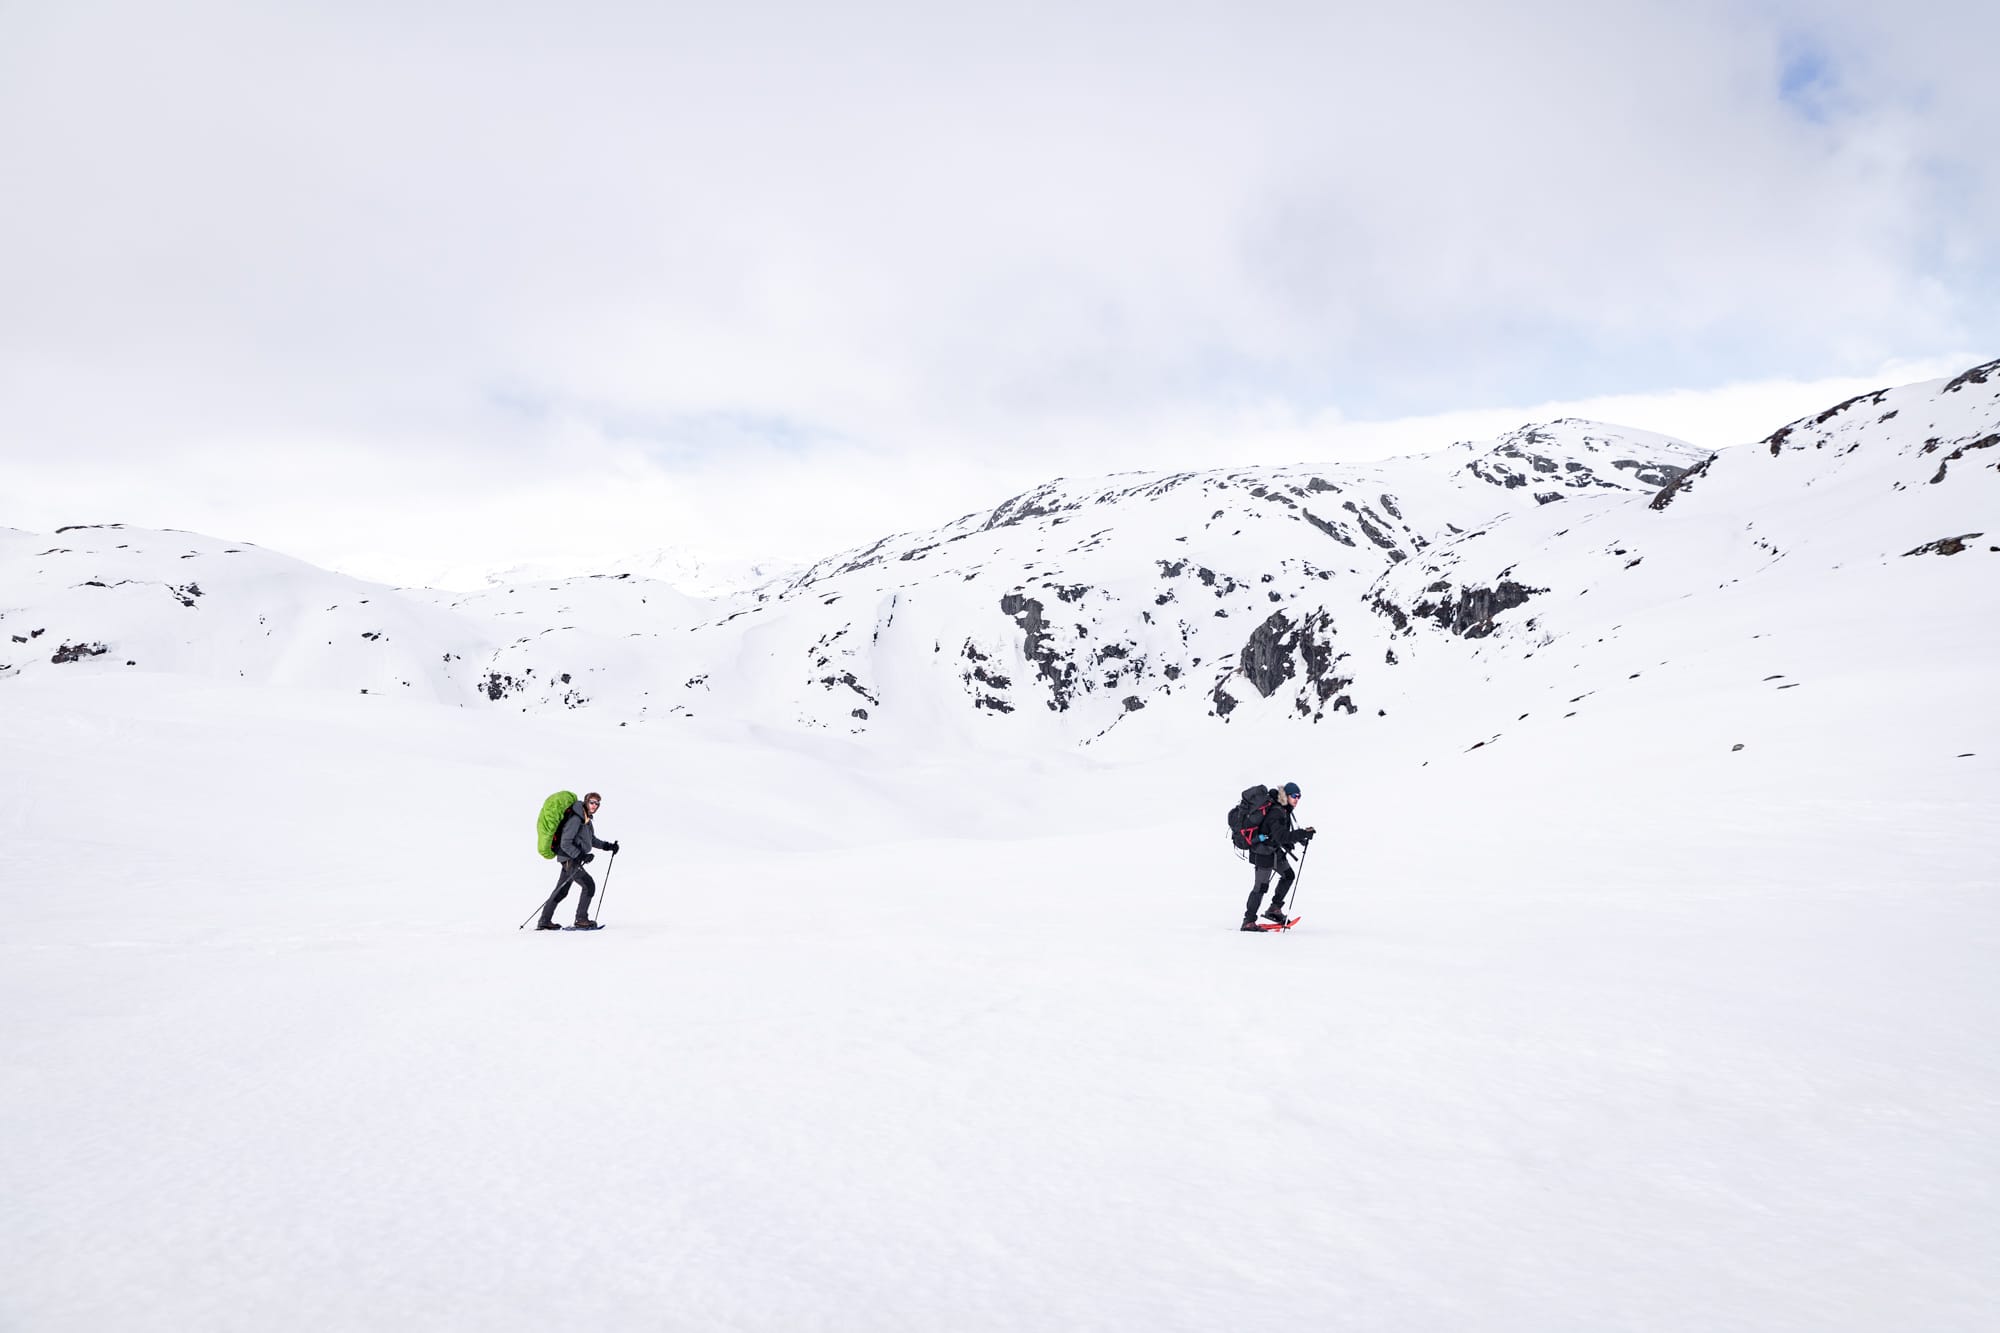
1645	979
1605	1028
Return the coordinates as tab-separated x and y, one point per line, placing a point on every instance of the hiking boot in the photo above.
547	925
586	924
1250	923
1276	916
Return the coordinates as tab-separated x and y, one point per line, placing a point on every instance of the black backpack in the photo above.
1247	816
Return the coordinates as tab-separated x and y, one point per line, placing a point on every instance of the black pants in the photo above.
572	873
1285	877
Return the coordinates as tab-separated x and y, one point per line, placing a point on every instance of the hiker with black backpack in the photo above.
573	844
1261	826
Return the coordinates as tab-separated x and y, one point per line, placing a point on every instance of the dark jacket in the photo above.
574	837
1278	835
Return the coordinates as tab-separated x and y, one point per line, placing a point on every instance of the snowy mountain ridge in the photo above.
1647	929
1301	591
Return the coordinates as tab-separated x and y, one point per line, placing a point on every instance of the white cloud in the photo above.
363	274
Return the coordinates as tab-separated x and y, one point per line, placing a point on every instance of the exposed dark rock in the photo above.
852	682
1495	476
1375	534
1875	398
1650	474
1780	436
76	652
1037	503
1133	703
1280	649
1049	664
1976	375
499	685
1264	662
871	556
1682	483
1946	545
1171	569
1987	443
1332	530
1471	616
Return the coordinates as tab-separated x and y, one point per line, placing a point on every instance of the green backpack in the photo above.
550	821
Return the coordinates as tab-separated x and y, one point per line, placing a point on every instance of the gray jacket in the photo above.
574	837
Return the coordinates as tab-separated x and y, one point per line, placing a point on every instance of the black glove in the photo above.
614	849
588	857
1306	836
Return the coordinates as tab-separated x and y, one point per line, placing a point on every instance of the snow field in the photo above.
885	1040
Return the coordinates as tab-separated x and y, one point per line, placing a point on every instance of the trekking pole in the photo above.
1297	879
605	892
538	910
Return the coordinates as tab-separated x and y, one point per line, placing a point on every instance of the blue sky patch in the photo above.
1806	79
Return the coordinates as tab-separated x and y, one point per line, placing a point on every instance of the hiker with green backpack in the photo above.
563	833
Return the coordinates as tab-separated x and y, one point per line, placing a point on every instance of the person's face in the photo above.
592	805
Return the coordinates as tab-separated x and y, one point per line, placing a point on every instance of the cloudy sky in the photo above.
408	288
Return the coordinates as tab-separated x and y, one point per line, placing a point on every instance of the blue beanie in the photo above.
1292	790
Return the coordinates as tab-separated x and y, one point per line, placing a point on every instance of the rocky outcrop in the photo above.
1283	650
1055	670
1986	443
1471	614
499	684
1683	482
1266	660
1977	375
1946	545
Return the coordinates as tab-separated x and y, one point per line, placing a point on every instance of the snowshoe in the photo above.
586	925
